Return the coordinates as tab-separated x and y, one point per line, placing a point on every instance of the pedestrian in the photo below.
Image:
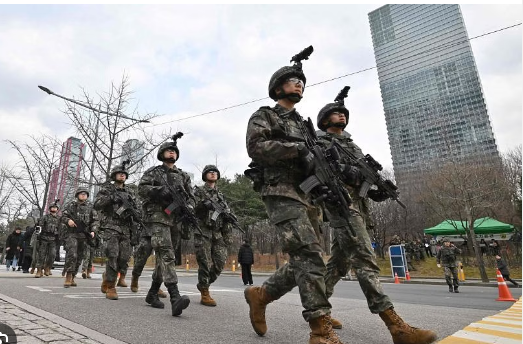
211	247
158	188
25	242
47	241
81	221
351	244
12	248
503	268
446	257
494	247
281	161
246	259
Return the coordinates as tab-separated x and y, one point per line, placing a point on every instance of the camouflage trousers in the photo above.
305	268
117	250
74	250
88	257
46	253
142	252
351	247
35	254
211	256
451	275
163	241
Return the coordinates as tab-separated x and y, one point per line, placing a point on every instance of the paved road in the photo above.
131	320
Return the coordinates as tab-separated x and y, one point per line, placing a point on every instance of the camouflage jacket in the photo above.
107	206
50	226
272	139
446	256
83	212
208	219
154	179
360	203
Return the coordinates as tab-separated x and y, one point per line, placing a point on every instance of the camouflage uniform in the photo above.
446	256
272	143
87	264
211	249
75	240
165	235
116	229
353	247
47	241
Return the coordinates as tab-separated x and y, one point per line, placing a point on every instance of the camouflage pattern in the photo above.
446	256
142	252
211	249
272	138
351	244
165	233
116	229
88	258
34	244
75	240
47	241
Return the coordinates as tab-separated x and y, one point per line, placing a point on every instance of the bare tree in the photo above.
6	189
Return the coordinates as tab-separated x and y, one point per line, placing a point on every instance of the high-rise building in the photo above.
64	179
133	150
432	95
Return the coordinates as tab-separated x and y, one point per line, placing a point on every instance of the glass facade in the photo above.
431	92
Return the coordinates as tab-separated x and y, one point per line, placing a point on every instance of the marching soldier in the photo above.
159	188
351	244
118	214
47	241
211	249
81	222
446	256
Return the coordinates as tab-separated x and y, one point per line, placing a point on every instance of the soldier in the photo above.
211	249
81	221
47	241
158	188
118	214
277	148
351	244
446	256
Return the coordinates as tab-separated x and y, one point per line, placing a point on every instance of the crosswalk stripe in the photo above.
499	324
492	332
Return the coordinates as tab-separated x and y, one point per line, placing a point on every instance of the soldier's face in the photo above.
293	85
170	154
121	177
53	210
337	117
82	196
446	243
211	176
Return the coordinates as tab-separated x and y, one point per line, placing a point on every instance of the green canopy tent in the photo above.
483	227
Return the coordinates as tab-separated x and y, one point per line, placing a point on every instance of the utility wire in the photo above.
433	50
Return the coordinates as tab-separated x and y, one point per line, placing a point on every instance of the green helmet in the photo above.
170	144
337	106
120	169
445	239
281	75
81	189
208	168
54	204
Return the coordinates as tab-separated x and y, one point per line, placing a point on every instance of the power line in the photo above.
433	50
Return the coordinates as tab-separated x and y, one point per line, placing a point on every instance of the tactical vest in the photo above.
50	225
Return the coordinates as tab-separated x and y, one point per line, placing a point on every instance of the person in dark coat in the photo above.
27	248
246	259
12	248
503	268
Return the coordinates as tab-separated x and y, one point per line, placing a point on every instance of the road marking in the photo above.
504	327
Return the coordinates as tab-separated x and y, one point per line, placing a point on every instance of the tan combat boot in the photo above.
336	324
206	298
68	278
73	283
47	272
258	299
32	271
84	274
88	273
322	332
111	291
403	333
134	283
121	281
37	274
104	286
162	294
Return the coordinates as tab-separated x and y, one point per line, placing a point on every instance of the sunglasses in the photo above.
296	81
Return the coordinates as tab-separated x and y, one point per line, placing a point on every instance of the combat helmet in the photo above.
337	106
170	144
445	239
54	204
208	168
120	169
281	75
81	189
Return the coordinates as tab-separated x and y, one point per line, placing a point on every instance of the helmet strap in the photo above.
293	97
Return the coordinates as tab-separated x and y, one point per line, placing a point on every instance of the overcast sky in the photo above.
186	60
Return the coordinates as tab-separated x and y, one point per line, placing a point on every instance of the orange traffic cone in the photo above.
92	269
504	292
396	279
407	276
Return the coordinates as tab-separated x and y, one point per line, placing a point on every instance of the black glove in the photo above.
116	199
162	194
208	204
377	195
351	175
306	157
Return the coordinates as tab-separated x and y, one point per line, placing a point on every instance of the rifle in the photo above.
369	168
81	228
326	171
179	205
127	210
226	214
